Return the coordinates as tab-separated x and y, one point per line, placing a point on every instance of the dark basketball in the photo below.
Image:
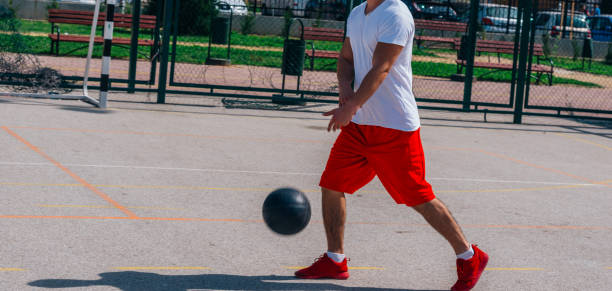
286	211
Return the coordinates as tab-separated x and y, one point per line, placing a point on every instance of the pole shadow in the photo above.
141	281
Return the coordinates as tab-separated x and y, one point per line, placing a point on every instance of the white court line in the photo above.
280	173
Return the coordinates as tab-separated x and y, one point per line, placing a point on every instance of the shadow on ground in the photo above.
139	281
86	109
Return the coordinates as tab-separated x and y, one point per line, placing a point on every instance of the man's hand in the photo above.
341	116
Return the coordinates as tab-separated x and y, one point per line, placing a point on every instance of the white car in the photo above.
494	17
278	7
549	22
233	7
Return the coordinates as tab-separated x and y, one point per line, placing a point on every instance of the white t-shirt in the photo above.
392	105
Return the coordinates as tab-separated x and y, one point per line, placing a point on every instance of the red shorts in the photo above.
363	151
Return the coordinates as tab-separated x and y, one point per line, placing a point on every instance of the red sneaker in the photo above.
324	267
469	271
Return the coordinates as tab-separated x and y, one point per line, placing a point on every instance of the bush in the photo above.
288	17
194	15
548	45
575	49
247	24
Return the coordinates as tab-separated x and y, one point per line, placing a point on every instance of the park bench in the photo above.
421	25
57	16
506	47
325	34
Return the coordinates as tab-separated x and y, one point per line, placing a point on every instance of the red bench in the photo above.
442	26
324	34
57	16
505	47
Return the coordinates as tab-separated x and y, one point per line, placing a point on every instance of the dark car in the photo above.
433	11
326	9
601	27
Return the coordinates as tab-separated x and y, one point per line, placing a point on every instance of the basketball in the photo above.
286	211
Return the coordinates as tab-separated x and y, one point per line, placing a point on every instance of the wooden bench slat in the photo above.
65	16
435	39
502	66
98	39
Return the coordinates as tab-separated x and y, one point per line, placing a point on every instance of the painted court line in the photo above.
582	140
286	173
504	157
247	189
161	268
184	219
12	270
514	269
73	175
171	134
350	268
105	207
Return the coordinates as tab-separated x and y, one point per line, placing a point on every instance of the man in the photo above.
597	10
380	136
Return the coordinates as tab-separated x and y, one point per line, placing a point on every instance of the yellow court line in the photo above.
70	173
350	268
11	269
514	189
161	268
514	269
584	141
247	189
553	170
609	268
104	206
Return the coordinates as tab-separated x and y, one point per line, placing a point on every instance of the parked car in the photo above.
279	7
601	27
494	17
433	11
233	7
549	22
326	9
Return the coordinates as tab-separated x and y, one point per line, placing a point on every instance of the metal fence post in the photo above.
523	55
471	51
134	46
163	64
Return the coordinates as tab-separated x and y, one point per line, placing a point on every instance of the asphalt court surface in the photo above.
168	197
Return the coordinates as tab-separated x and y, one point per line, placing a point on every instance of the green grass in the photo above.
597	67
240	56
446	70
42	26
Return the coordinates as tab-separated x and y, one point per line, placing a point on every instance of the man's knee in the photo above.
328	193
428	207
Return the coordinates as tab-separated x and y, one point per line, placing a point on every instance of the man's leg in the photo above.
334	218
333	263
440	218
470	268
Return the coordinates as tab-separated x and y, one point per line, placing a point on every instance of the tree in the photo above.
194	15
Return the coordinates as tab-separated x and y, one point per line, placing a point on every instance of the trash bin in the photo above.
587	48
293	57
220	29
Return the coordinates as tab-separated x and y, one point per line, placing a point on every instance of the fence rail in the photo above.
187	43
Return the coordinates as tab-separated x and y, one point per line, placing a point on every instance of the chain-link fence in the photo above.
56	47
237	48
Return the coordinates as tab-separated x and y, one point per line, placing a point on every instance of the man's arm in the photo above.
383	59
346	72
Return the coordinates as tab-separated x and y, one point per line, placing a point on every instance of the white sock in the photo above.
465	255
336	257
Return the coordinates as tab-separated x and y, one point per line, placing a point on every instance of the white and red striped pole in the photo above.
106	53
